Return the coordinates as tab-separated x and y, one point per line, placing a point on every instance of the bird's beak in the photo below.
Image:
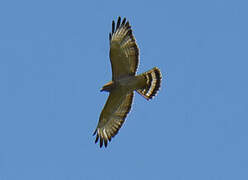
101	90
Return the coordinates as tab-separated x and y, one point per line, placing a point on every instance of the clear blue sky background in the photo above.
54	60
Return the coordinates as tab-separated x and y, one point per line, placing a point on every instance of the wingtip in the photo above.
119	19
123	21
105	143
113	27
94	133
97	137
118	22
101	142
110	36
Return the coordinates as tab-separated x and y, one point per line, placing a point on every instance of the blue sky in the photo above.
54	60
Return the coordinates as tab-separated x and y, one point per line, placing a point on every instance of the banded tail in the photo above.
153	81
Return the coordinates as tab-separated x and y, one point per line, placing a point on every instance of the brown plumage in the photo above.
124	58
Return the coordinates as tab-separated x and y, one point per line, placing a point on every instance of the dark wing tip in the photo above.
97	137
123	21
113	27
105	142
101	142
118	22
102	139
94	132
110	36
127	24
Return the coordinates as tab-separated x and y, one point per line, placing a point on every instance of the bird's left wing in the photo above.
124	51
113	116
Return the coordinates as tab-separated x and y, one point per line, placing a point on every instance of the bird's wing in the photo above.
124	52
113	116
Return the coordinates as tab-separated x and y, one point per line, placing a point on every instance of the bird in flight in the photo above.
124	58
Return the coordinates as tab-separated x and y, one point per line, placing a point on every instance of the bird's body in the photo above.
124	57
125	84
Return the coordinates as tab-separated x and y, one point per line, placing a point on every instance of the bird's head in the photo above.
108	86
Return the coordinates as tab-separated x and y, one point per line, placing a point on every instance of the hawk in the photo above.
124	58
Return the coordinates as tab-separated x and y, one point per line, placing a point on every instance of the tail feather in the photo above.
153	82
